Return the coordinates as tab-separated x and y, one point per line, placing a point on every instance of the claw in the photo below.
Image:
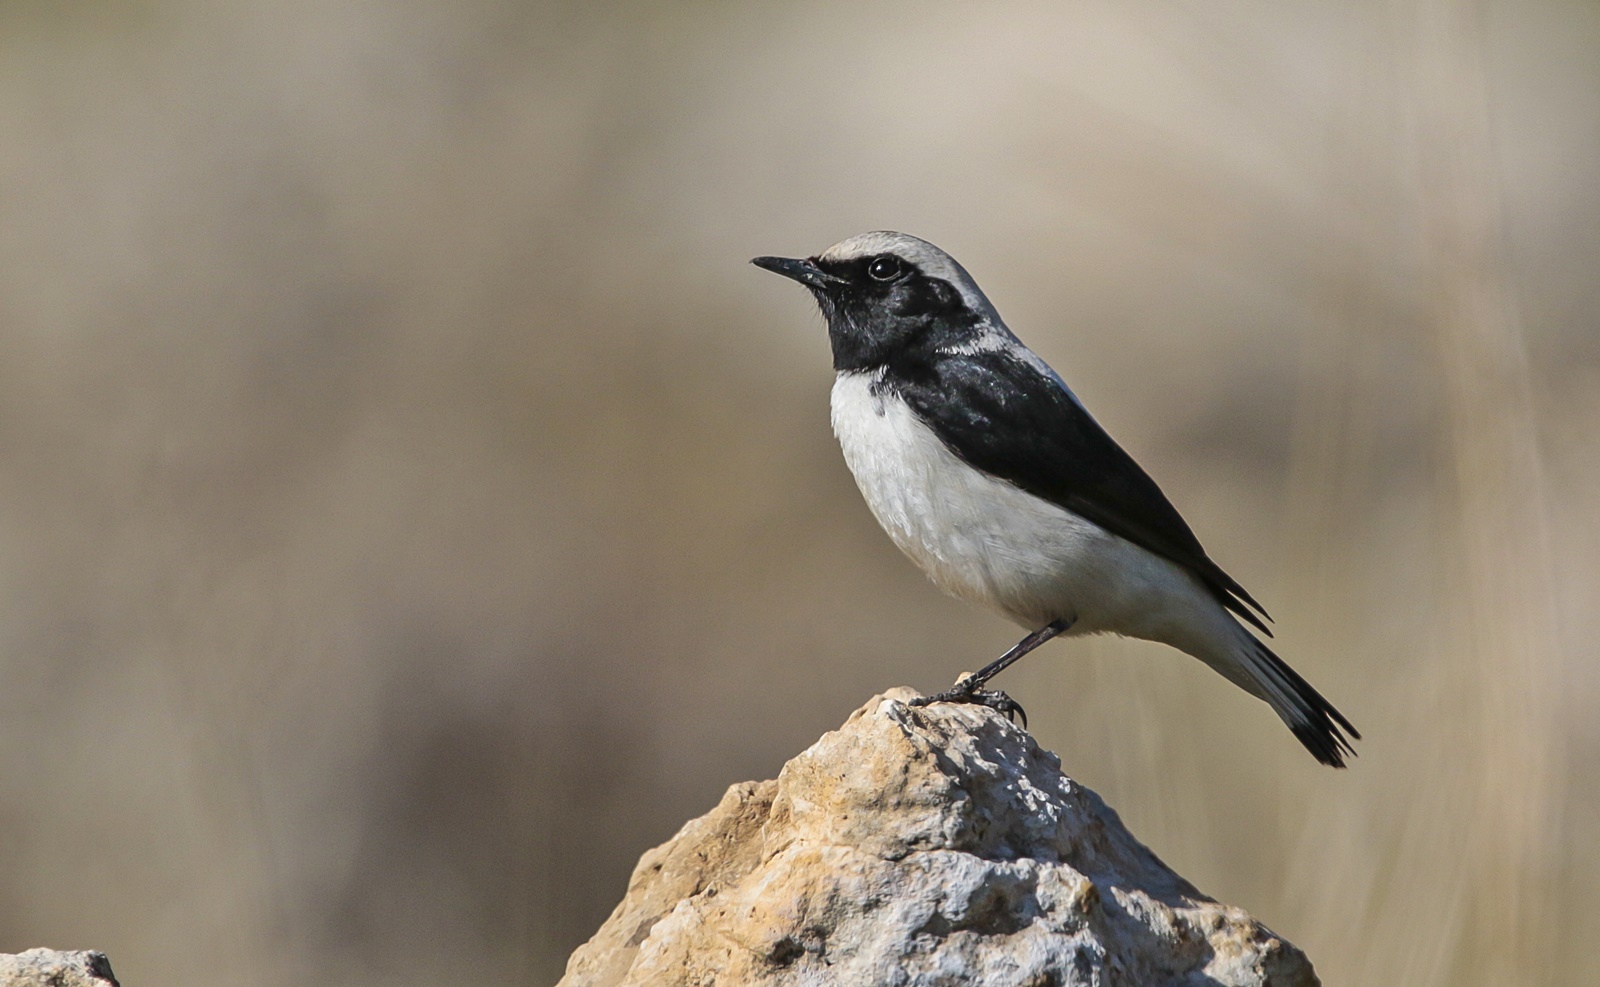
1000	702
964	691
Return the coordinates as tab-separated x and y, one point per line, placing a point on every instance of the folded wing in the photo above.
1054	449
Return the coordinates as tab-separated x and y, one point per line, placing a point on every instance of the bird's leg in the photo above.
1022	647
970	688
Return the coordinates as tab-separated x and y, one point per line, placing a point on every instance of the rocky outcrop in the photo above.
917	847
53	968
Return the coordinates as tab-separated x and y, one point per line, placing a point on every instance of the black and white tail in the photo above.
1320	727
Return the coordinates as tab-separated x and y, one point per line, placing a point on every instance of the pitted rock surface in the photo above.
915	847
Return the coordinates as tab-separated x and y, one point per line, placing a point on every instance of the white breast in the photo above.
987	541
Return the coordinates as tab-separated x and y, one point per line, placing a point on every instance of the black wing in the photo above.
1001	414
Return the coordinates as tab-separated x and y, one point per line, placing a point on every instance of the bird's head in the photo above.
884	293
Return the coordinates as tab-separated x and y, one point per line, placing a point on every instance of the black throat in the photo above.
900	326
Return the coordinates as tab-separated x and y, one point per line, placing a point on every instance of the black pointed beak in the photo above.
804	271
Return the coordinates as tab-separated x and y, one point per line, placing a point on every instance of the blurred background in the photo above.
413	507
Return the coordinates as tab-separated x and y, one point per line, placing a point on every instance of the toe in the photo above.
1002	703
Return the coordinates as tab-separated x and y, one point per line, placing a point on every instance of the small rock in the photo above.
54	968
916	847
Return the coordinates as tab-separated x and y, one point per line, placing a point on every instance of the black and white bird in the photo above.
986	470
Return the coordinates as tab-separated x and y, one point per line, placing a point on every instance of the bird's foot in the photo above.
967	690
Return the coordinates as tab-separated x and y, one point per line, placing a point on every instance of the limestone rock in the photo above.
916	847
53	968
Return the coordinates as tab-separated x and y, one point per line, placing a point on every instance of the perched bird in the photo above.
985	469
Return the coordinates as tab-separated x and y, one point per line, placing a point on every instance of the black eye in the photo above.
885	268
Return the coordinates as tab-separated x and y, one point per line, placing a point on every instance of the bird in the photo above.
985	469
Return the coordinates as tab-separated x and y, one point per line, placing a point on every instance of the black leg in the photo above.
970	689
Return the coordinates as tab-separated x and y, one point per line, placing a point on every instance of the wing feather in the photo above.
1054	449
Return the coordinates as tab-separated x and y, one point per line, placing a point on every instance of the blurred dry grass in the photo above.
413	508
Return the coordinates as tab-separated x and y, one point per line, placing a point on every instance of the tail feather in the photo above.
1314	720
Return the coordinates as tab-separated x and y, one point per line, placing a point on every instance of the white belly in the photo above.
987	541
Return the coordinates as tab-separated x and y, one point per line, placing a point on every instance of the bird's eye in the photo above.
885	268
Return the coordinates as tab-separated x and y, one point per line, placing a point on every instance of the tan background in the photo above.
413	507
